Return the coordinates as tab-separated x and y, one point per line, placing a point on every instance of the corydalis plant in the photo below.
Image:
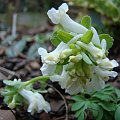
17	93
79	63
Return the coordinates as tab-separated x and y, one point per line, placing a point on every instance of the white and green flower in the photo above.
51	59
60	17
97	53
36	101
102	72
69	81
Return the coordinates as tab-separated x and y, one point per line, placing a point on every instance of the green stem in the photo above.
31	81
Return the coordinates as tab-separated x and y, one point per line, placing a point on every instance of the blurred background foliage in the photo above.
108	8
27	5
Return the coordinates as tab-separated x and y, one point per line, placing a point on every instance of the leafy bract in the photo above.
60	36
86	21
87	37
108	39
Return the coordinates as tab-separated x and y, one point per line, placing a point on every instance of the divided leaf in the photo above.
117	113
77	105
108	106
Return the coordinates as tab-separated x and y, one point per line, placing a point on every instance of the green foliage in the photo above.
59	36
102	104
10	93
87	37
110	8
117	113
108	39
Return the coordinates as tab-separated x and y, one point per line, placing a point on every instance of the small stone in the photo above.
6	115
34	65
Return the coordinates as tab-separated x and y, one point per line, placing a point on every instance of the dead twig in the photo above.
66	116
7	72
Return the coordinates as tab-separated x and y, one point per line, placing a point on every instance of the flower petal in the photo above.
63	7
60	16
95	84
103	45
114	63
95	38
47	69
42	51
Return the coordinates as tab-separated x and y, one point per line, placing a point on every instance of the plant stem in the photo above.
31	81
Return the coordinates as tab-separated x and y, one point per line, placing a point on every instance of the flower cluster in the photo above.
16	93
80	60
79	63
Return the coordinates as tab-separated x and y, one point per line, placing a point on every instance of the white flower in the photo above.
76	58
94	51
104	68
65	53
102	72
105	74
71	85
96	84
48	69
36	101
95	39
60	17
108	64
52	57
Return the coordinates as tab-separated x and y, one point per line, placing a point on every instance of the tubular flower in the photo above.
60	17
104	68
51	59
72	85
73	78
80	61
94	51
36	101
102	72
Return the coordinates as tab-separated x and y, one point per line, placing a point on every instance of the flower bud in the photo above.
76	58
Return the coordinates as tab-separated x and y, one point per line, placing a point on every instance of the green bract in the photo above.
86	21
